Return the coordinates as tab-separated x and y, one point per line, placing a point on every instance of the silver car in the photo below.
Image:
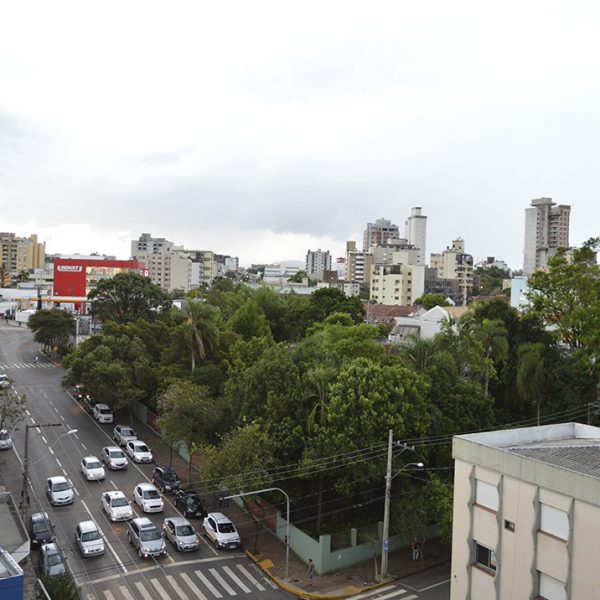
52	560
5	440
88	539
59	491
181	533
146	537
114	458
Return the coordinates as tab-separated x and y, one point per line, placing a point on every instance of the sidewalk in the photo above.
270	554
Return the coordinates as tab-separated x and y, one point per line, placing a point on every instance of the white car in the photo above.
4	381
102	413
219	529
5	440
92	468
148	498
89	539
181	534
52	560
139	452
123	434
114	458
59	491
116	506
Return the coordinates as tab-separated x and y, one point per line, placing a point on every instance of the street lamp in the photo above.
24	502
388	494
287	528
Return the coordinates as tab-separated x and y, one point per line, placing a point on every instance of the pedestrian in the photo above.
415	549
311	571
35	359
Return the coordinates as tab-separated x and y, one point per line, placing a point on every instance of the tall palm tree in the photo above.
530	373
493	336
419	353
200	330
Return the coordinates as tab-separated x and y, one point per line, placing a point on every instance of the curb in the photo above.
267	564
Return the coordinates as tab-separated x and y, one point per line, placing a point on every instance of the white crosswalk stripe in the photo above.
108	595
158	587
143	591
257	584
396	592
193	587
374	592
233	576
176	587
126	594
208	584
222	581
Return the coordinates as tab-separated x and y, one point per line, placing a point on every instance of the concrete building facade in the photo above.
397	284
455	263
416	233
20	254
526	520
317	261
148	244
546	230
379	233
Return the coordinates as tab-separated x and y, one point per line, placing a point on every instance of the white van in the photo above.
103	414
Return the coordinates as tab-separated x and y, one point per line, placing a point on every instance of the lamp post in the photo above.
25	501
287	528
388	494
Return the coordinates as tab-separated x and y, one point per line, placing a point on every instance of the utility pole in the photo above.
25	501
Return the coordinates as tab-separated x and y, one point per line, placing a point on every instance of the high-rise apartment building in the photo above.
379	233
358	263
546	230
20	254
317	262
455	263
416	232
148	244
397	284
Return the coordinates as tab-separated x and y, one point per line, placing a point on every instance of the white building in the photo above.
546	230
455	263
526	520
416	233
396	252
397	284
317	261
422	324
146	244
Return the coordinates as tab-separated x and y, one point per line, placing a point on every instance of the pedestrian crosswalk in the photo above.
27	365
206	583
386	592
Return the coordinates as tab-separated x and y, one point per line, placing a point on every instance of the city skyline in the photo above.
274	132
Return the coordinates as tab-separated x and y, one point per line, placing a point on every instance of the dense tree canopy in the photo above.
53	328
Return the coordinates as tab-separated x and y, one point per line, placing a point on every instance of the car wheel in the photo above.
216	544
128	537
140	553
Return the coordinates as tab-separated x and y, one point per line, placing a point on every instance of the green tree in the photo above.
12	409
249	321
23	276
187	416
242	462
200	330
531	374
490	279
58	587
3	275
493	337
298	277
53	328
326	301
127	297
567	298
429	301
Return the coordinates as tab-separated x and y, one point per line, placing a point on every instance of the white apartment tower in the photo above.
546	230
379	233
147	244
317	261
416	232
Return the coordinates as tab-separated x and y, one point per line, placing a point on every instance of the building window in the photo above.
485	557
554	522
550	588
486	495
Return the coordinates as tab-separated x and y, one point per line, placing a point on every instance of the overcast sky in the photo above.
263	129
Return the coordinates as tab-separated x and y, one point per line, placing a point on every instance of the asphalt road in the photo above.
120	573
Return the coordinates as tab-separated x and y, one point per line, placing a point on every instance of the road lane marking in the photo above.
256	583
45	440
395	593
208	584
176	587
143	591
59	463
222	581
108	595
159	588
379	590
193	587
233	576
126	594
106	542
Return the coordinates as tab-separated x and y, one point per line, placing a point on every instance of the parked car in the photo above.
4	381
78	392
59	491
181	534
146	537
52	560
191	504
102	413
89	539
114	458
40	529
92	468
123	434
116	506
88	404
147	497
5	440
139	452
166	479
222	532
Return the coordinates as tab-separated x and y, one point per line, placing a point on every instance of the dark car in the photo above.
88	404
40	529
166	479
191	505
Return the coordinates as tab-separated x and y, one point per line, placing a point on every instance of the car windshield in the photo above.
193	501
150	534
105	411
150	494
185	530
40	527
127	431
90	536
93	464
60	486
116	454
119	502
170	476
226	527
4	435
141	448
53	559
